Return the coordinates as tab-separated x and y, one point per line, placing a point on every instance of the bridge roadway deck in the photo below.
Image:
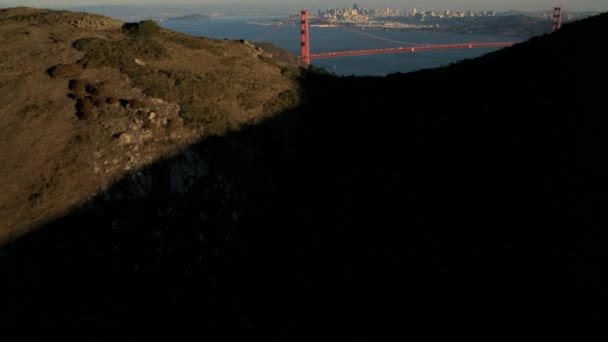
409	49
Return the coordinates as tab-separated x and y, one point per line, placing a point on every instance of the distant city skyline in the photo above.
288	6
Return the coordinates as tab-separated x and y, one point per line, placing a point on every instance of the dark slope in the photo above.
462	199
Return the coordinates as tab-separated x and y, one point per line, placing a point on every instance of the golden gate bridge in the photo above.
306	56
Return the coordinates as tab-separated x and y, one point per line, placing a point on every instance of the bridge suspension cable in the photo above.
376	37
369	35
269	33
517	29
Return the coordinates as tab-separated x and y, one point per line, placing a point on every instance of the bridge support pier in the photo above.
304	37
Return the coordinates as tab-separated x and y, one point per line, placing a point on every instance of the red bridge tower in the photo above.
557	18
305	37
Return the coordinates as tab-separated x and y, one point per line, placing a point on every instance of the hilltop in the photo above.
458	200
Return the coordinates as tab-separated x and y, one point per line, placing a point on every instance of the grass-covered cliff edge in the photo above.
466	198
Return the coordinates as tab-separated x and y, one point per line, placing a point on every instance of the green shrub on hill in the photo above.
141	31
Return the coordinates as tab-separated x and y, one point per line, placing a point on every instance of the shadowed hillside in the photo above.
456	200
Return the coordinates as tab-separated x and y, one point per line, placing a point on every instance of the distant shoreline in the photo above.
190	17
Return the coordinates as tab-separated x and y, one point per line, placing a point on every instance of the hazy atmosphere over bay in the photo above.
498	5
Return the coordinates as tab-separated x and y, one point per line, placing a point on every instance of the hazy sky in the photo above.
499	5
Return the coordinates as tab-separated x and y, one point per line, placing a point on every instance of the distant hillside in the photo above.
463	200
